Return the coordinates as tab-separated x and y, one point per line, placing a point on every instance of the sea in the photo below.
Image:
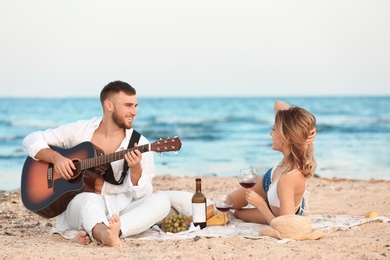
219	135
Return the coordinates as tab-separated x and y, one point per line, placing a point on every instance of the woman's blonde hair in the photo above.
294	126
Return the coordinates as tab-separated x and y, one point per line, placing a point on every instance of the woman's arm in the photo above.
256	200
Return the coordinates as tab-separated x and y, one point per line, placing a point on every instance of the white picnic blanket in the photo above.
324	223
181	202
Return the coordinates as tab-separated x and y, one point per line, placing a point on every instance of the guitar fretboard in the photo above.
108	158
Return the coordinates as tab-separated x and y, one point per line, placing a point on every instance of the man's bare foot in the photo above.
110	236
82	238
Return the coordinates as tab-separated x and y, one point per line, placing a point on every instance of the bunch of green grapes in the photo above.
175	223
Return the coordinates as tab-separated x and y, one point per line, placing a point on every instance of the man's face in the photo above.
125	109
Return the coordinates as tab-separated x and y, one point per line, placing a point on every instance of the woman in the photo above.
280	191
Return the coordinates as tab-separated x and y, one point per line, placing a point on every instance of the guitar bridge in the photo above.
50	176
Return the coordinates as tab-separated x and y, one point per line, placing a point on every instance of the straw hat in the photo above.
291	226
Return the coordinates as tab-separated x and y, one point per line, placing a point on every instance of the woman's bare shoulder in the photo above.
293	178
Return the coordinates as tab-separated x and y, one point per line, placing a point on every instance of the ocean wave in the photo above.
13	156
184	119
5	123
189	134
11	139
374	128
35	124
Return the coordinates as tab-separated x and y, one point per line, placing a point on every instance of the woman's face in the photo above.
277	143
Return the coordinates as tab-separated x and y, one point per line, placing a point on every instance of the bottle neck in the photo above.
198	186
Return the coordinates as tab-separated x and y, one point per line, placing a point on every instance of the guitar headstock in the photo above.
166	145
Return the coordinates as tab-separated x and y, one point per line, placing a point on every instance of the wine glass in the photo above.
248	178
223	203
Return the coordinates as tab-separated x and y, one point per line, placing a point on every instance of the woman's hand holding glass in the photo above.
248	178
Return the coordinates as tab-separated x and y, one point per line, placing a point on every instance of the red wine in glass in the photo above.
248	184
223	208
247	178
223	203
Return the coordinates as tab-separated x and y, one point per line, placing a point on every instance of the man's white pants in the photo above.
88	209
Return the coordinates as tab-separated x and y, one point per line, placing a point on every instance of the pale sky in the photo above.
164	48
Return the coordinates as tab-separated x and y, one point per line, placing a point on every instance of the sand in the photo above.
25	235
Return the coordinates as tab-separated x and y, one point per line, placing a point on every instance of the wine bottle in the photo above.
199	206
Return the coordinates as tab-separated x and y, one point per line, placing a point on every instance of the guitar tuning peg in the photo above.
160	138
176	153
160	154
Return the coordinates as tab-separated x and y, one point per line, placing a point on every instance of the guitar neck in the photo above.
108	158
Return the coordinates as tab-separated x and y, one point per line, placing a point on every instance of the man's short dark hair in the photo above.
116	87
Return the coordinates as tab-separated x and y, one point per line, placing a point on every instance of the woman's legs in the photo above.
250	215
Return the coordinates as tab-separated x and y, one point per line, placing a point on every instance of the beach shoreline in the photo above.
26	235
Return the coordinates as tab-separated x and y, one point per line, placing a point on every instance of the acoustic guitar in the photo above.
47	194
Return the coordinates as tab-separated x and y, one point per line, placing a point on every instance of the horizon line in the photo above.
384	95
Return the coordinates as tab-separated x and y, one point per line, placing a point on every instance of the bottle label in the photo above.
198	212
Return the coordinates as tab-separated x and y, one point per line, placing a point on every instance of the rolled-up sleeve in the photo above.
65	136
34	142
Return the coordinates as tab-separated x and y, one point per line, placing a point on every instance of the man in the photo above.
115	210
